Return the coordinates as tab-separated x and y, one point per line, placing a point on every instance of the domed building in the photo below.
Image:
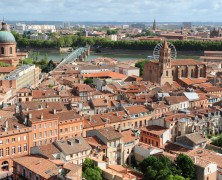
8	51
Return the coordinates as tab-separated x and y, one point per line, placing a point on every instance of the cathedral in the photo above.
165	70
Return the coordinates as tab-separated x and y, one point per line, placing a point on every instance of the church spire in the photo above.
165	45
154	25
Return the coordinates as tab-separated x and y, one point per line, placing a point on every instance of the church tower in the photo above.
165	64
154	25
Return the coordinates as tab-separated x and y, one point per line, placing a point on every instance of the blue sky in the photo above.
112	10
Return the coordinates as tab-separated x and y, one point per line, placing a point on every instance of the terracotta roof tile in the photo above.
43	167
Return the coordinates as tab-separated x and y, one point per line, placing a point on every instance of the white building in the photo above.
41	28
20	28
38	37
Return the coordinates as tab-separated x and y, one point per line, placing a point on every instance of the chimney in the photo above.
41	116
54	111
6	125
195	159
30	115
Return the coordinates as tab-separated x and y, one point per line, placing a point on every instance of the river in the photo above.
119	55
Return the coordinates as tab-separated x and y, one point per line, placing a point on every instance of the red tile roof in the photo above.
180	62
157	130
109	74
43	167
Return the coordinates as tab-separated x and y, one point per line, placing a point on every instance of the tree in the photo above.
155	168
92	174
27	61
90	171
88	81
185	164
176	177
218	141
140	65
111	31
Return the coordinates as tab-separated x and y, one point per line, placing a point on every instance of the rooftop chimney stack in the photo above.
41	116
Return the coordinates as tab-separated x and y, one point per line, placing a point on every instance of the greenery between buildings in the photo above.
161	168
140	65
44	63
77	40
2	64
90	171
217	141
88	81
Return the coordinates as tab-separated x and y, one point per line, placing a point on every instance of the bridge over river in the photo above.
77	55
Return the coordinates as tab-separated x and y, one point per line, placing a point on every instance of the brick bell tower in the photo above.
165	64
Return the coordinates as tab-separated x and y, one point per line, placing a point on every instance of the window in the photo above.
2	50
34	127
19	138
50	132
19	149
192	73
13	150
81	126
40	126
71	129
45	125
50	124
55	123
166	73
55	131
60	130
13	140
45	141
18	167
1	152
66	129
30	174
7	151
34	135
1	142
40	143
10	49
40	135
25	138
7	141
45	133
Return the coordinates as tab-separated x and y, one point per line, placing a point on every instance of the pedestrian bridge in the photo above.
77	55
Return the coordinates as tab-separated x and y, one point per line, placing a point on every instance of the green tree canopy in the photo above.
155	168
88	81
140	65
218	141
185	164
90	171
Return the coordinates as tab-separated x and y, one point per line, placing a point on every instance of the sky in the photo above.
112	10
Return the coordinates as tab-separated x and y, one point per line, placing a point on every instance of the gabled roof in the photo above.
39	165
109	133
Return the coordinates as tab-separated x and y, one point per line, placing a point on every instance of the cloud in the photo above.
112	10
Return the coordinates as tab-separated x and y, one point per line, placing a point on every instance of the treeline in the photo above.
76	41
